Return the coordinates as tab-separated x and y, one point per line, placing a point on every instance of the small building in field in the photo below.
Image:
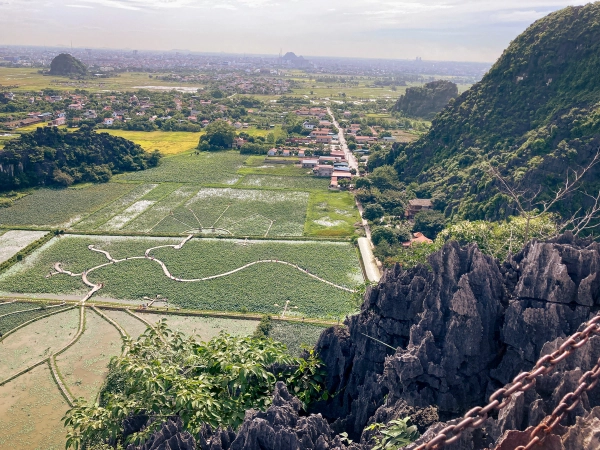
109	121
417	205
301	153
272	152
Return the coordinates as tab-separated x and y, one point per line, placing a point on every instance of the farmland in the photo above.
60	207
260	288
168	143
31	407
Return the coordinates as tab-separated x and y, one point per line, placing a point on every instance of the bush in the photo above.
214	383
430	223
219	136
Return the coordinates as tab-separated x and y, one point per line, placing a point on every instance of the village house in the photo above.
238	142
108	121
330	159
308	126
301	153
323	170
57	122
418	238
336	176
310	163
416	205
272	152
286	153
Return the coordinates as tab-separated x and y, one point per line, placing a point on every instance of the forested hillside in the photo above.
534	116
65	64
50	156
426	101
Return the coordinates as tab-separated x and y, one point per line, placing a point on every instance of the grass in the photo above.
257	165
284	182
167	142
30	412
103	215
47	208
331	214
16	306
203	328
132	326
256	289
14	320
28	79
296	335
219	168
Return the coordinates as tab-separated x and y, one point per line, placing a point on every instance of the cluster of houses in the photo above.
56	119
333	166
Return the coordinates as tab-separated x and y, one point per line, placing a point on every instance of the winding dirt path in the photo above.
96	287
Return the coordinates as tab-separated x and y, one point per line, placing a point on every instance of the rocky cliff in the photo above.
432	342
462	330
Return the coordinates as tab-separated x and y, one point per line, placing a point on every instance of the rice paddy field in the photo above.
31	405
259	288
167	142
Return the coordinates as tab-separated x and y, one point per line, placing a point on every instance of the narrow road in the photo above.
352	161
369	260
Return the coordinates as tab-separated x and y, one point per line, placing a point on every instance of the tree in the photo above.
531	205
429	222
373	212
219	136
163	374
384	177
362	183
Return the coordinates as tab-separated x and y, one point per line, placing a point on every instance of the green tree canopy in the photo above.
384	177
430	223
219	135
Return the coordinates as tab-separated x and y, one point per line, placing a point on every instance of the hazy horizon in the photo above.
435	30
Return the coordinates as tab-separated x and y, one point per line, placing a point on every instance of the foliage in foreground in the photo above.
164	375
395	434
497	239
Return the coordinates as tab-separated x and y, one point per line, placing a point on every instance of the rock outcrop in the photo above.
432	342
462	330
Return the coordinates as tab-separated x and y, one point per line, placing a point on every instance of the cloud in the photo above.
80	6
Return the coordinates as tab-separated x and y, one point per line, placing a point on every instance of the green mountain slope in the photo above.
534	115
428	100
65	64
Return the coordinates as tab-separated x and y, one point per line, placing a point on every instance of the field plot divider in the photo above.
9	332
141	319
41	361
24	310
121	331
64	390
52	358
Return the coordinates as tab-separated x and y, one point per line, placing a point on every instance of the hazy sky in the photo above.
458	30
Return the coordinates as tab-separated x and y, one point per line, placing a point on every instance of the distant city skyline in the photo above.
442	30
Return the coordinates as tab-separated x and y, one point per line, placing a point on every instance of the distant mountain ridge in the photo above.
535	114
67	65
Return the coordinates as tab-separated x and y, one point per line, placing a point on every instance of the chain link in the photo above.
523	382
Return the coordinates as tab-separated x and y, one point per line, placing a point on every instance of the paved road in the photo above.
371	270
369	261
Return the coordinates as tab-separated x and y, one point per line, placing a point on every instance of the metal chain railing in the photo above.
523	382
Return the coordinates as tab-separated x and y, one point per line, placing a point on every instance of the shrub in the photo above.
430	223
213	383
373	212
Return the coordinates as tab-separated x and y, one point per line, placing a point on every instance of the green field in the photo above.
257	288
27	79
60	207
331	214
167	142
206	169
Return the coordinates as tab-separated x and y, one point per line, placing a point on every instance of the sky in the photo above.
443	30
